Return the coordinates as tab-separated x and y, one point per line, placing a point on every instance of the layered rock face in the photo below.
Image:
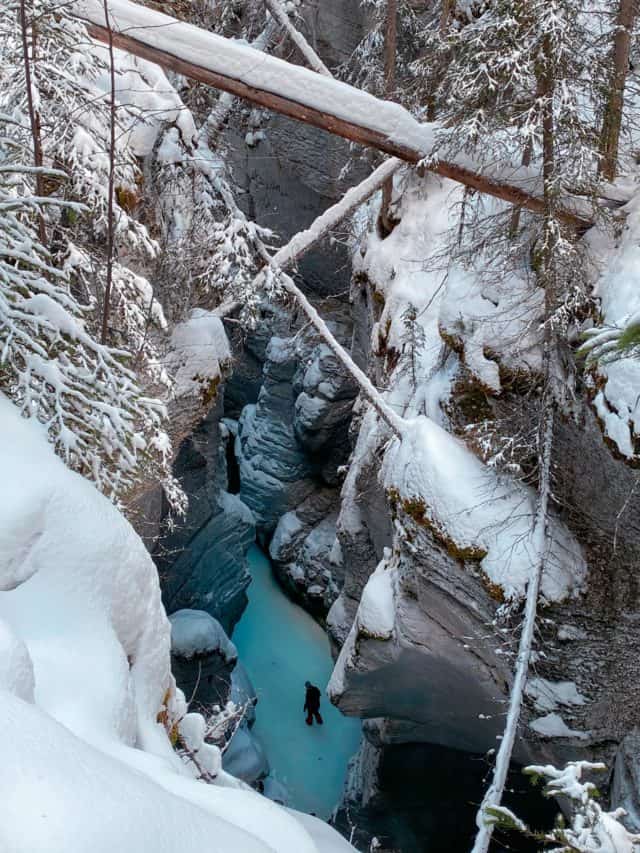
291	172
202	561
290	447
414	797
441	675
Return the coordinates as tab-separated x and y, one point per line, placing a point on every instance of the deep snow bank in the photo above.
86	764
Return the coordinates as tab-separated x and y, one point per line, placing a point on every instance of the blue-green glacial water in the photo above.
281	647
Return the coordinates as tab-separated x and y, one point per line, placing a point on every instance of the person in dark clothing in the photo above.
312	704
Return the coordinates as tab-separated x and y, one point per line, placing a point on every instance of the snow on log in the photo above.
302	94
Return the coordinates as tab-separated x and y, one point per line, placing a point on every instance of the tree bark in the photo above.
111	180
445	15
612	119
34	114
515	216
390	52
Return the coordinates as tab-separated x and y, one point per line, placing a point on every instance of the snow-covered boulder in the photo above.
194	633
202	656
199	352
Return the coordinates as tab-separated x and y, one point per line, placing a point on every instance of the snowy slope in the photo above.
84	645
477	511
617	257
469	506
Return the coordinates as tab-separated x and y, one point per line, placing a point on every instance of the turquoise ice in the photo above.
281	647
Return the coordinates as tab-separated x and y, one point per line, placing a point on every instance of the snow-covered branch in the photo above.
312	58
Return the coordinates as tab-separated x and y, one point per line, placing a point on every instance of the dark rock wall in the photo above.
202	560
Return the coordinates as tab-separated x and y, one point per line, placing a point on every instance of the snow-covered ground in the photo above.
87	765
281	647
617	261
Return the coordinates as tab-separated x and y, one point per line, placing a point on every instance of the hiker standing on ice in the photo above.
312	704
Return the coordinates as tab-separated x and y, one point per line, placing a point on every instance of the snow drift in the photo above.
84	644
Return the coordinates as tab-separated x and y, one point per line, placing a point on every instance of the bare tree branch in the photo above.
390	50
34	115
312	58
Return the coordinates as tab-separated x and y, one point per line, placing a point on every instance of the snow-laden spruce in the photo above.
51	365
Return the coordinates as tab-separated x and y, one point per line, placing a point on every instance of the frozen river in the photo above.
281	647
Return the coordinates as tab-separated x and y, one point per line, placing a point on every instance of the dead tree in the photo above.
390	53
306	96
34	113
612	119
111	179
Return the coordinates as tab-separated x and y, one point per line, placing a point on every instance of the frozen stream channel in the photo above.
281	647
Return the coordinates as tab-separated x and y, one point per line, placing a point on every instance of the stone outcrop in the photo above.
306	554
202	560
291	446
275	472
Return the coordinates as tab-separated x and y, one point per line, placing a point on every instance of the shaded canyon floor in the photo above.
281	647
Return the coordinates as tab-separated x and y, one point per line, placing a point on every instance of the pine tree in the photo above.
413	344
589	828
67	75
51	366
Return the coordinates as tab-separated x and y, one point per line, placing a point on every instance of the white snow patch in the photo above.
16	668
375	619
497	319
548	695
195	632
568	633
376	612
82	618
552	725
199	348
617	258
479	510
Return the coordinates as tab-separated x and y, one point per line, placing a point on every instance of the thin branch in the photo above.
312	58
612	119
390	50
34	116
112	167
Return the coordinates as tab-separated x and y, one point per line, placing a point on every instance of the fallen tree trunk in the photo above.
303	95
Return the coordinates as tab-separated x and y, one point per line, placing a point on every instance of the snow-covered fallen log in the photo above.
304	95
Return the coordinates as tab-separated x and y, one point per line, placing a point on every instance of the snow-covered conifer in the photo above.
589	828
69	83
53	368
